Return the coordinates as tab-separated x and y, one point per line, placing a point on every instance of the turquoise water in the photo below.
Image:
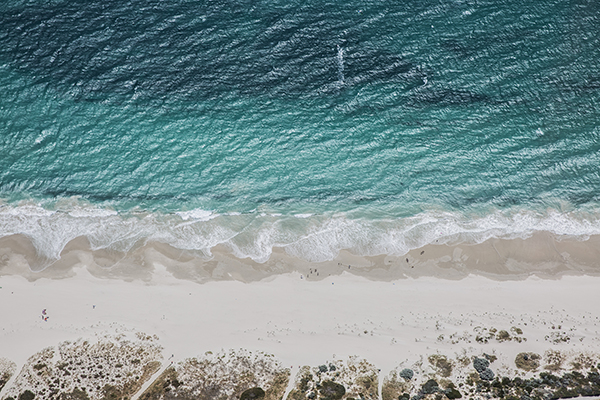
314	126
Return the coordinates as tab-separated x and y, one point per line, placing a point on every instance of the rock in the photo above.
487	374
27	395
254	393
452	394
480	364
332	391
407	374
430	387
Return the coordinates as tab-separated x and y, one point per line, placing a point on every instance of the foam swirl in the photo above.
313	238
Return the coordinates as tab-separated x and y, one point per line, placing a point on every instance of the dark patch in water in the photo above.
192	50
589	85
447	97
457	48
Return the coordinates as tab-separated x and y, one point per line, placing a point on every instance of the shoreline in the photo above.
542	254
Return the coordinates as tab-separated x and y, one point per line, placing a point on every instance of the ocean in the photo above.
312	126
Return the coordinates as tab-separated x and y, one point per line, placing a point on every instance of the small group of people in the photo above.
44	315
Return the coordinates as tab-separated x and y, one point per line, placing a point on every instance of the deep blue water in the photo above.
374	126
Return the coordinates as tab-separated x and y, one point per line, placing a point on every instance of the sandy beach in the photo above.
393	312
299	200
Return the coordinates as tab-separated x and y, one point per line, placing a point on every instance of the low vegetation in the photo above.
115	368
229	375
111	368
7	369
336	380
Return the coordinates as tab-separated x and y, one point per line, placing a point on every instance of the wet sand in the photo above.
542	255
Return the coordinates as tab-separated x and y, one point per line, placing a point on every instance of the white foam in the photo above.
253	235
340	60
303	215
43	135
80	212
539	132
197	214
25	210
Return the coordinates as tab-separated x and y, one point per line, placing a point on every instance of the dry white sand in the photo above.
301	322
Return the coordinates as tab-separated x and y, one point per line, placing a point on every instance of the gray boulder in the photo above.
487	374
407	374
480	364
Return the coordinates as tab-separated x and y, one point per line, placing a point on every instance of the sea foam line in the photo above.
311	237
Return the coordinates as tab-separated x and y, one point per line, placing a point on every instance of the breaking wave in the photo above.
315	238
